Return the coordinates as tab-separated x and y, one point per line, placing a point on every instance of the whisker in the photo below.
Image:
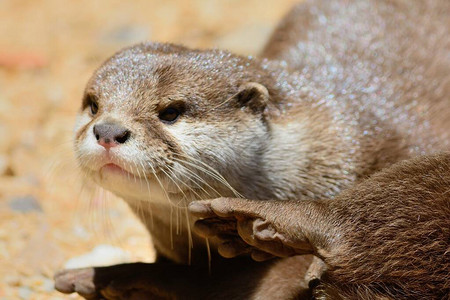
140	211
140	204
201	180
171	227
218	178
190	241
170	204
214	171
159	181
178	221
132	172
176	184
149	194
194	192
106	218
208	251
93	211
211	172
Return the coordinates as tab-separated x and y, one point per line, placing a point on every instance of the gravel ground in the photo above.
48	49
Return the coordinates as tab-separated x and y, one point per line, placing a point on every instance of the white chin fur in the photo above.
131	188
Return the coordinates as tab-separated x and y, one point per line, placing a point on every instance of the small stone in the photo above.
25	204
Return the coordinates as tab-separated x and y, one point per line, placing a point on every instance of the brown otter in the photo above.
386	238
346	89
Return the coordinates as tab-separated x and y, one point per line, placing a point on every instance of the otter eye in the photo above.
91	101
94	107
169	114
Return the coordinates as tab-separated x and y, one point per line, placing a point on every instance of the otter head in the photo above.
161	120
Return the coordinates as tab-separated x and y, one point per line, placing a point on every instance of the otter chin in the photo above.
136	187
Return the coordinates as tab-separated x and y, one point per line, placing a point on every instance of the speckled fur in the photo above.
353	87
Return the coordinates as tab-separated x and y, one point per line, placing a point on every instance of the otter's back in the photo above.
389	58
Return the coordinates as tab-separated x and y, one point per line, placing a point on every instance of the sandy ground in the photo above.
48	49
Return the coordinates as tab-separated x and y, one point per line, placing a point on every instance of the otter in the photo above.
343	89
386	238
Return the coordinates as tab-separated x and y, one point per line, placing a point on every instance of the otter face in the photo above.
161	121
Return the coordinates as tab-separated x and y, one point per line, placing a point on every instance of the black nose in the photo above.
110	134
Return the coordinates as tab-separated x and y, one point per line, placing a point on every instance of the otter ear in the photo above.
253	95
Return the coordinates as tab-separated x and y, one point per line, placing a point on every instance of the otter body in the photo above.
343	89
385	238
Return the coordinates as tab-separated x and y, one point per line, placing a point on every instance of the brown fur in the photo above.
386	238
364	84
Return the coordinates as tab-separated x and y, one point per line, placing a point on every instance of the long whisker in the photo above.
92	208
148	187
132	172
177	217
191	242
210	169
213	173
138	173
170	204
140	204
111	233
160	183
174	205
201	180
208	250
149	194
176	184
193	191
218	178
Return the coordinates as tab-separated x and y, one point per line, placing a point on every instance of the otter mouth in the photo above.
111	167
114	169
116	178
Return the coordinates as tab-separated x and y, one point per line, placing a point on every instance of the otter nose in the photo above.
110	135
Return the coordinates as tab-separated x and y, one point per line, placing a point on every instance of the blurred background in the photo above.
50	217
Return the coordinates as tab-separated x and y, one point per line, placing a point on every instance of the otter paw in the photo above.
79	281
257	223
224	229
263	236
210	224
221	219
216	227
